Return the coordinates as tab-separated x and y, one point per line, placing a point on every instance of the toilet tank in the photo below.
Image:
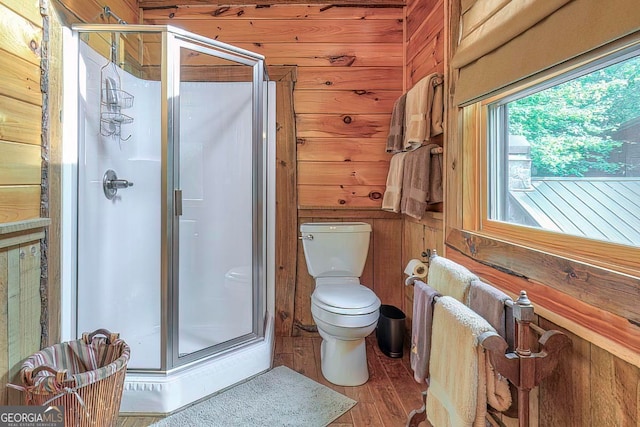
335	249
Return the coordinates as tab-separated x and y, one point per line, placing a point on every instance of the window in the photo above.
556	161
564	156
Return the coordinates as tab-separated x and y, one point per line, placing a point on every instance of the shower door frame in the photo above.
172	40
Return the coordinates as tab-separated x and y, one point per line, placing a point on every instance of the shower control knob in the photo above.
111	184
119	183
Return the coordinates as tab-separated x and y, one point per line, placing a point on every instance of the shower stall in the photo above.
168	207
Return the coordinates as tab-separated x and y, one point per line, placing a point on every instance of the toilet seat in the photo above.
348	299
347	306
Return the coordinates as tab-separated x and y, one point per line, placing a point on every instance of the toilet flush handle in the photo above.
307	237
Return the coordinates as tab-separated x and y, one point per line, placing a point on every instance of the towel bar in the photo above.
524	368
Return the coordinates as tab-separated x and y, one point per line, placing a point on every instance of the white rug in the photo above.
279	397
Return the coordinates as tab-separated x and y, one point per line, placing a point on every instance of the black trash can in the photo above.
390	332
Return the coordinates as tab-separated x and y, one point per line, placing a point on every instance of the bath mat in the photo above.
279	397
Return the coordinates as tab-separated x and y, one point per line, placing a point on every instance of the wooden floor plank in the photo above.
304	358
401	379
384	401
387	400
365	413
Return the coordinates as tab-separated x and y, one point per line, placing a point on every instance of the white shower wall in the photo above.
119	239
119	256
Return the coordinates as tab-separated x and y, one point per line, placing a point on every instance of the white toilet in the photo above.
344	310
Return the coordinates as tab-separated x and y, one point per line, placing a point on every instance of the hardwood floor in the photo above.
385	400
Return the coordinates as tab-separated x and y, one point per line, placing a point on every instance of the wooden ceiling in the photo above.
155	4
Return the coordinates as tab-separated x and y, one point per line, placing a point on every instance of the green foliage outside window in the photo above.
570	126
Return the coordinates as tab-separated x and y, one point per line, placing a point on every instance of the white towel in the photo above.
450	278
423	111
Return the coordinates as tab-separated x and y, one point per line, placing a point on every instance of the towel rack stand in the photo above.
524	368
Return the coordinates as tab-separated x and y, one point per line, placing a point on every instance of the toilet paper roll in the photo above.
416	268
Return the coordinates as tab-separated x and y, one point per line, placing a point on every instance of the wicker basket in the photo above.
85	376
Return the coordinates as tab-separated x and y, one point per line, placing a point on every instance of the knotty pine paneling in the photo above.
273	11
20	79
91	11
19	36
334	78
340	196
341	173
20	109
311	55
28	9
265	3
19	202
343	125
350	71
345	101
425	41
293	31
21	121
342	149
417	13
20	164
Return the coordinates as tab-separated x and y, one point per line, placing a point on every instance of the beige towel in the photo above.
423	111
416	182
395	139
450	278
423	300
489	303
393	192
458	376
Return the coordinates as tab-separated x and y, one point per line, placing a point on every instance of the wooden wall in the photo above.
350	67
91	11
21	110
21	100
425	34
598	379
349	64
20	305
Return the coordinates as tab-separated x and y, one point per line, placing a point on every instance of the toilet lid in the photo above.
345	298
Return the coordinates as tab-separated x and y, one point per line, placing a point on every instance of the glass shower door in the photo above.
216	181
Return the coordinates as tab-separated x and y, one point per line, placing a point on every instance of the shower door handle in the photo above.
177	201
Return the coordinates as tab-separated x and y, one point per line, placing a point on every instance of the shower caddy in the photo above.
113	99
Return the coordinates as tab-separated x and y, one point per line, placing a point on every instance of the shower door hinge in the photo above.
177	201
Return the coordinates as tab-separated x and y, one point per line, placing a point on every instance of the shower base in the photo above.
162	394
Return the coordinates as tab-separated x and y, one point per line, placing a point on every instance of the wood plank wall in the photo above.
21	115
20	306
21	110
425	33
350	66
591	386
91	11
349	72
597	381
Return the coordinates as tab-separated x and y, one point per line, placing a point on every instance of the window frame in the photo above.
476	145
